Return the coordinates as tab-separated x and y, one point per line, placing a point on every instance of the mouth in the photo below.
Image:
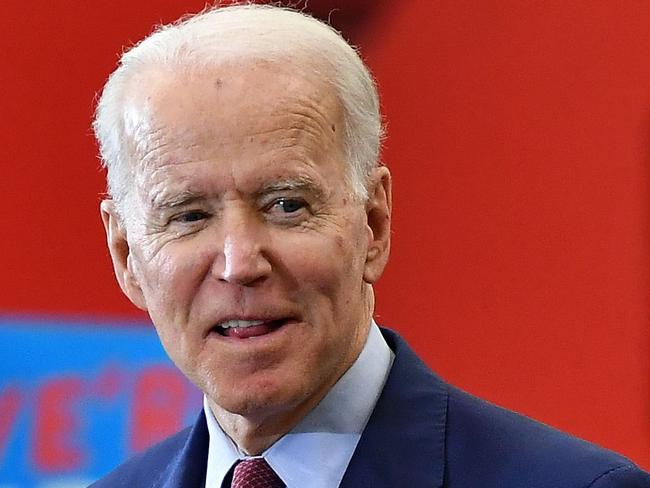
246	329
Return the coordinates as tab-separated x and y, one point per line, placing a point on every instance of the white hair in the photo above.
259	32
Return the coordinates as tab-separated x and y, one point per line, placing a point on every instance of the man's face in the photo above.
241	238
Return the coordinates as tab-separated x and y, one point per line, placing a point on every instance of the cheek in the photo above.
171	278
330	266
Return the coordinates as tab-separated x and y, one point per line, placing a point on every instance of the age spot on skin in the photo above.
340	241
218	83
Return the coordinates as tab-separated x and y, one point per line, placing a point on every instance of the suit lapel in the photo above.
404	441
187	469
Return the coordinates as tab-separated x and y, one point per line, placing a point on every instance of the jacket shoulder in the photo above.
148	467
502	448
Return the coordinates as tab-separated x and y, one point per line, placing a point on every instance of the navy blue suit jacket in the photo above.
423	433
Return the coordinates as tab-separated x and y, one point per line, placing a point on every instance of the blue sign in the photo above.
77	398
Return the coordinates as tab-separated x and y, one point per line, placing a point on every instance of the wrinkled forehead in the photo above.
225	104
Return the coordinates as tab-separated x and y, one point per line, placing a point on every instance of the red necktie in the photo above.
255	473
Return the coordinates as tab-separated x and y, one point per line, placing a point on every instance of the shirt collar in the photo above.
317	450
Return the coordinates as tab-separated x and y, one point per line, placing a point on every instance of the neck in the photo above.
253	434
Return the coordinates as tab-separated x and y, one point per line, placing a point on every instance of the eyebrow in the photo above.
165	200
299	183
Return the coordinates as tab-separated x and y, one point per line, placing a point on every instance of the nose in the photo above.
243	260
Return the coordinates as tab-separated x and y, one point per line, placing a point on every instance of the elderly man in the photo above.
248	215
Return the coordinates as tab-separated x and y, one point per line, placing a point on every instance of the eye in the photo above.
191	216
288	205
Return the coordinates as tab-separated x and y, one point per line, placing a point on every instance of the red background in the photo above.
519	141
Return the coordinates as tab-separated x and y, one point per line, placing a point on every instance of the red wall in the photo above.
519	141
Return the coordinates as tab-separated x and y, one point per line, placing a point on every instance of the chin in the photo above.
253	400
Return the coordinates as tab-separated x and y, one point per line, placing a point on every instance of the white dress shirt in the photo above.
317	451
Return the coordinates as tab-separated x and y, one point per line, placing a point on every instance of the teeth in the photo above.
230	324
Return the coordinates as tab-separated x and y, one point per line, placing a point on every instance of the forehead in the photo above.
228	107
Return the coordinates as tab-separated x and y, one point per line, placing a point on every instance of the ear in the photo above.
378	212
118	246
